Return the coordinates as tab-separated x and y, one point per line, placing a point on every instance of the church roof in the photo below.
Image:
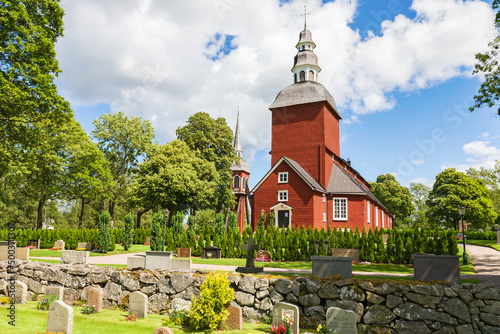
240	166
305	36
341	182
297	168
302	93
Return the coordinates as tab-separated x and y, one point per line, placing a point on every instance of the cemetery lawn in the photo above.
29	320
486	243
119	250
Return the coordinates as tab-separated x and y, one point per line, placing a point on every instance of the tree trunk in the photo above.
112	212
139	216
80	219
39	217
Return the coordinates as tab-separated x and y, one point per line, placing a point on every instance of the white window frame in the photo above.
376	216
383	219
283	177
368	213
324	198
324	216
340	203
282	195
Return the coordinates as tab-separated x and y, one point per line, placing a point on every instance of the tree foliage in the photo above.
28	66
123	140
212	140
105	239
395	197
452	189
419	195
173	177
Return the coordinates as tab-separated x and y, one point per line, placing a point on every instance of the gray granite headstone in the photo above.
74	256
85	245
21	293
282	309
138	304
429	267
324	266
60	318
498	237
341	321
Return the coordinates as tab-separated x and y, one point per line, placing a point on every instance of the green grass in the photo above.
487	243
29	320
468	269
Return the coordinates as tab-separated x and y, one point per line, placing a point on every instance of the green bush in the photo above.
208	312
128	234
156	236
104	237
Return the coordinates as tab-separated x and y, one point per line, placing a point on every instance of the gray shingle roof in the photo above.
304	174
302	93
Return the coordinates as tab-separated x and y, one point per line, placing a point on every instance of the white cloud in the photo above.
148	57
480	154
425	181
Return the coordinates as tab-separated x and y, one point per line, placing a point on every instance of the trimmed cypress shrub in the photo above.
370	247
389	256
441	243
408	251
104	237
128	233
452	243
156	237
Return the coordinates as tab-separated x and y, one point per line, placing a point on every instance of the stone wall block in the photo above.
247	284
378	314
283	286
181	281
328	291
458	308
310	299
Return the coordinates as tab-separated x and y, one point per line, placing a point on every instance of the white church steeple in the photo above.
305	64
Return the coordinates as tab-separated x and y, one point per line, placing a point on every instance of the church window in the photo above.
311	76
302	76
376	216
368	214
340	208
283	177
236	183
295	78
282	195
383	220
324	198
324	216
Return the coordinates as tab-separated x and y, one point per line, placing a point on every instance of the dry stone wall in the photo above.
381	307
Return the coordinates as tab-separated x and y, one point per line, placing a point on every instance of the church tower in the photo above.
241	174
305	120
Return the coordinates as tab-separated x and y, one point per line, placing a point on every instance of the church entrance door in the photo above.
283	218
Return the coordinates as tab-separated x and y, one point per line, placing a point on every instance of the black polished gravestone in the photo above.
250	267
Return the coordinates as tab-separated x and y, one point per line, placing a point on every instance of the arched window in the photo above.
302	76
311	76
295	78
236	183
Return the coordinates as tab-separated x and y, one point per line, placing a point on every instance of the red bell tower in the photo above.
241	174
305	120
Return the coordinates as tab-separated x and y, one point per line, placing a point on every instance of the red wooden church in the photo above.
309	184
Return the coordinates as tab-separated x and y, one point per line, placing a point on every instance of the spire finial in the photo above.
305	17
237	141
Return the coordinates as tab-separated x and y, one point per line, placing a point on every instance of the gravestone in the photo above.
347	252
94	298
21	293
235	317
34	243
183	252
53	290
429	267
59	244
138	304
85	245
138	261
158	259
211	252
250	265
8	249
163	330
60	318
341	321
498	237
385	236
148	240
75	257
281	309
324	266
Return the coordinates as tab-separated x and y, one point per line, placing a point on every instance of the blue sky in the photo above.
400	72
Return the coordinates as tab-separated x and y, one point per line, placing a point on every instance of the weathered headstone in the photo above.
148	240
346	252
76	257
35	243
341	321
53	290
60	318
21	293
134	262
163	330
235	317
324	266
211	252
250	265
94	298
85	245
498	237
138	304
59	244
158	260
280	310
